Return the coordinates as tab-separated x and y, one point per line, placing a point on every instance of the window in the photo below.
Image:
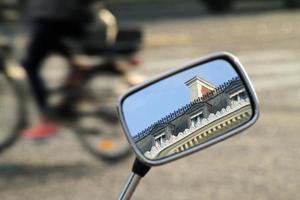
160	138
196	118
234	98
241	94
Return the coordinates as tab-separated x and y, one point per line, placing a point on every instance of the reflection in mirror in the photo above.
187	109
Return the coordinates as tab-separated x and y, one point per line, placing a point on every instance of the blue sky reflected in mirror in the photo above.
146	106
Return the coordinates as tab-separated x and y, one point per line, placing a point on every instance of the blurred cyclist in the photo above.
51	21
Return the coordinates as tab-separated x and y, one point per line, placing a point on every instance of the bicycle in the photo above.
11	90
81	105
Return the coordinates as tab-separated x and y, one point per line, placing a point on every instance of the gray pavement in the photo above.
262	163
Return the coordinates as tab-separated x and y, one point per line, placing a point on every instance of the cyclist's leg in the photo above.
43	40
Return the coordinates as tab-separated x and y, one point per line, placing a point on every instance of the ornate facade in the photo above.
195	122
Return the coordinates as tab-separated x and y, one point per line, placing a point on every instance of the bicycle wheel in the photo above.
12	111
98	127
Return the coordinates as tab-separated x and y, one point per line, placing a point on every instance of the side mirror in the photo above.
188	109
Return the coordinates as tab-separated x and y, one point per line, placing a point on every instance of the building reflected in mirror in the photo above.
212	111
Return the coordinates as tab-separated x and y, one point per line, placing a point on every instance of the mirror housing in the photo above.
160	152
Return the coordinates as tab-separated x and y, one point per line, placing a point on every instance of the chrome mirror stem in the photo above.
139	170
128	190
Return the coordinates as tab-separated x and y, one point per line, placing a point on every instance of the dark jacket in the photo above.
58	9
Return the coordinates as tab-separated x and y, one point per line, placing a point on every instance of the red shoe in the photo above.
41	131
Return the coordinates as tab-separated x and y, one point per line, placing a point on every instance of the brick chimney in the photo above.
198	87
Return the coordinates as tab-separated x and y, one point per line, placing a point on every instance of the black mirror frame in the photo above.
234	61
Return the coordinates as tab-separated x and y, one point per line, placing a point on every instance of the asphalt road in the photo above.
262	163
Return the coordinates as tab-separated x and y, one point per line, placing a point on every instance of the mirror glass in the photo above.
186	109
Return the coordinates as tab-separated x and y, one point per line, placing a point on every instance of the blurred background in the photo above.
261	163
